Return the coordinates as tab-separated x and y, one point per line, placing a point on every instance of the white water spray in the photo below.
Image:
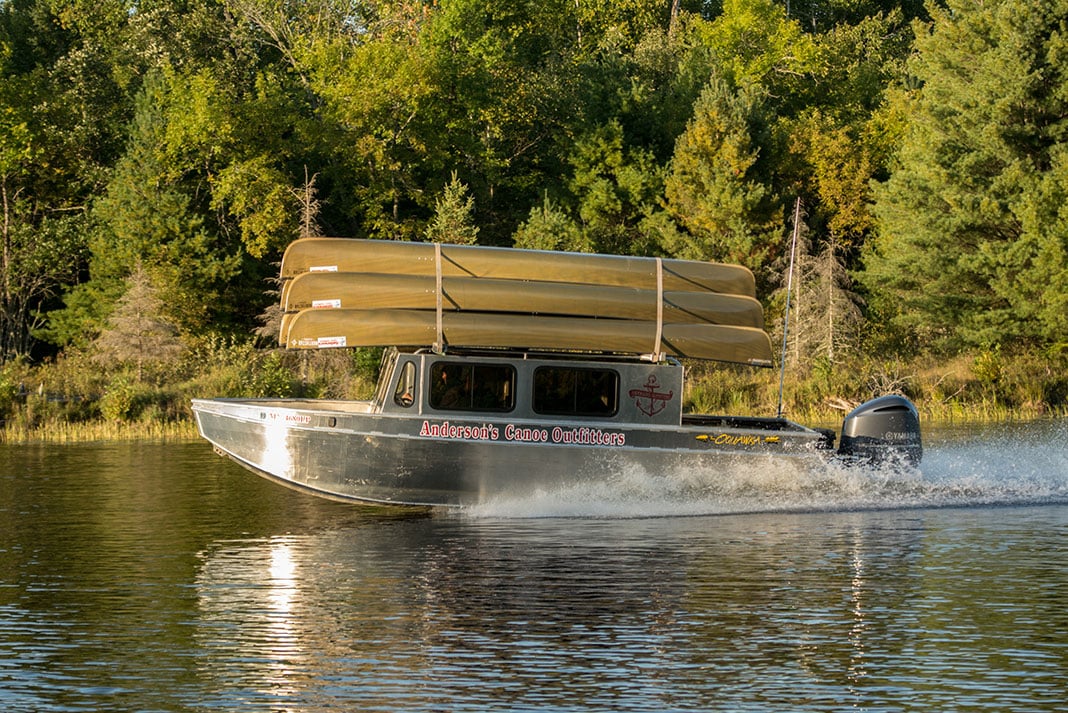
1016	464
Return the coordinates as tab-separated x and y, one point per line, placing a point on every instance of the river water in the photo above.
159	577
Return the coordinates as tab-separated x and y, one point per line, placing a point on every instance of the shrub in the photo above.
270	377
11	388
119	402
987	368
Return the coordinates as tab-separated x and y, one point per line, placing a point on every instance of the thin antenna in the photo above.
789	291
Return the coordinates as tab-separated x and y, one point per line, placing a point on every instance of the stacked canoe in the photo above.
340	292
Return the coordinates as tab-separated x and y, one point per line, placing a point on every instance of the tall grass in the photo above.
986	386
74	399
89	431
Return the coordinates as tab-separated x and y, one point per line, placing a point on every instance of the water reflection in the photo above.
810	611
248	630
455	609
159	577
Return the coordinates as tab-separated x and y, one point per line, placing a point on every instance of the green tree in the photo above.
833	169
619	24
615	187
657	84
755	42
853	65
16	156
60	124
716	188
1033	273
476	87
453	220
550	228
37	259
73	68
971	248
148	217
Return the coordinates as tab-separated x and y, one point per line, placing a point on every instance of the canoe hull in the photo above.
365	291
394	257
323	328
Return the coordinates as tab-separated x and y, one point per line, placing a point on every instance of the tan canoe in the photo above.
351	290
402	258
324	328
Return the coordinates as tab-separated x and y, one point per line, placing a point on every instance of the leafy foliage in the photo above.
715	188
198	138
963	255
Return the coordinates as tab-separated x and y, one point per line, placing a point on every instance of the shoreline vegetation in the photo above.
894	173
72	400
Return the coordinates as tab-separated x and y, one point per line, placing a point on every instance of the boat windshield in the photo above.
404	394
575	391
472	387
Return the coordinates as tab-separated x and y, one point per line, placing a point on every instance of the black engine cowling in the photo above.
881	430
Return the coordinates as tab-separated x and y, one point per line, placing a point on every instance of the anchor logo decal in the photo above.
648	400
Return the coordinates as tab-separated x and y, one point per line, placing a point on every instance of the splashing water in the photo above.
1014	464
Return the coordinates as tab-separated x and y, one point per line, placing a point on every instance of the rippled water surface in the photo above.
158	577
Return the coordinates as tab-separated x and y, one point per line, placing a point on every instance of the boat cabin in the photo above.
520	385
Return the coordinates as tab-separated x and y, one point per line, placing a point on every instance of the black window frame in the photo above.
575	404
473	398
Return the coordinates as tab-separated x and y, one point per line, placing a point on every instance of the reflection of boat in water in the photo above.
504	377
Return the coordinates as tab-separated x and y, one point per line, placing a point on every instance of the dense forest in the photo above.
157	156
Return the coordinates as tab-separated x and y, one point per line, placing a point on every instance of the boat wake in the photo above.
1015	465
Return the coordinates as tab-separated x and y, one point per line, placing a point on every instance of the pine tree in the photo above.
714	188
549	227
972	245
135	331
452	221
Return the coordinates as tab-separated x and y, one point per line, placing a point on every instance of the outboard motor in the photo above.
881	430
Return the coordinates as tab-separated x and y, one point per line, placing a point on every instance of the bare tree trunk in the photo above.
5	258
829	278
309	206
7	309
578	25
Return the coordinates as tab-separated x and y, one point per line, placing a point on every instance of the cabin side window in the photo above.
404	394
570	391
472	387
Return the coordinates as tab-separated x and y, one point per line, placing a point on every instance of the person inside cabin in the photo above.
598	390
486	396
454	388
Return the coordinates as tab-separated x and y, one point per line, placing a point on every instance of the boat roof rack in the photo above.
548	354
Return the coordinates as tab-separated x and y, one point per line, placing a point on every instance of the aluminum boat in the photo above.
479	399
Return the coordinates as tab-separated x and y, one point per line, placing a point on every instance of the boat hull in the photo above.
333	450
